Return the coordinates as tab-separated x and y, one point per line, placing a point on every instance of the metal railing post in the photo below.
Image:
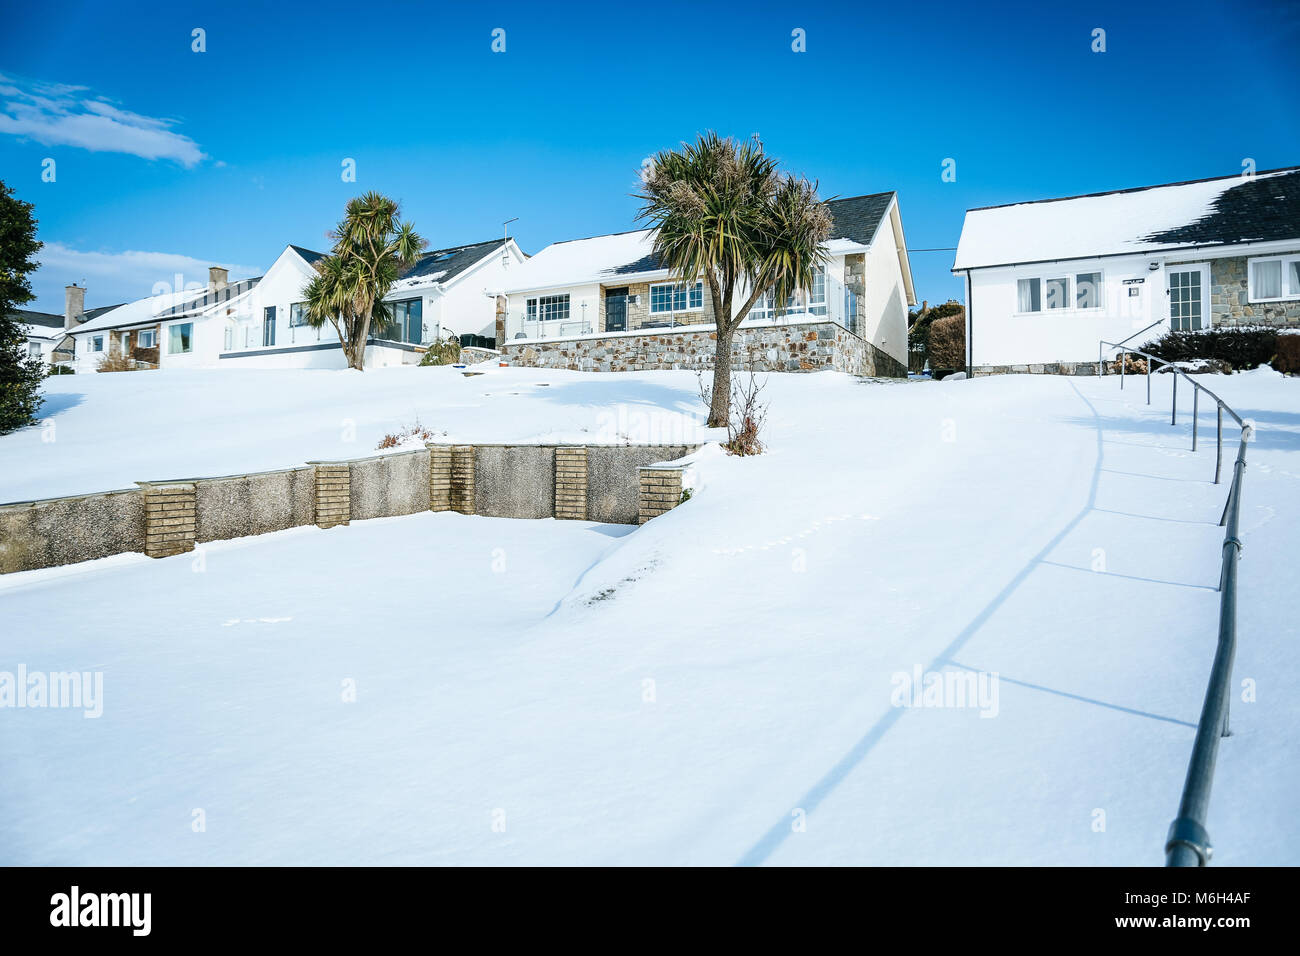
1122	363
1196	395
1218	441
1148	381
1173	411
1100	351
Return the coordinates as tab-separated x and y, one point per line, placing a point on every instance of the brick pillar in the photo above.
462	479
170	516
333	493
439	477
571	483
501	322
661	491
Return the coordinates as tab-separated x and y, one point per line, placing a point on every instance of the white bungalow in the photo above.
609	287
1047	280
260	322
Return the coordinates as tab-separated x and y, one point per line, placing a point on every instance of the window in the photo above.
297	315
407	323
33	350
180	338
1029	295
1057	293
1088	291
667	298
148	338
228	342
268	326
97	343
548	308
1080	291
813	301
1274	278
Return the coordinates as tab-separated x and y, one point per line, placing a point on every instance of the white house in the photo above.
1046	281
260	322
613	288
42	330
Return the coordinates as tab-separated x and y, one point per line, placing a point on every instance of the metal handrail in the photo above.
1130	338
1188	841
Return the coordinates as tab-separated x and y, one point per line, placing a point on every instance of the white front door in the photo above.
1189	297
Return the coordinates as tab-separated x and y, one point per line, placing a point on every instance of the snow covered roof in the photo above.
621	256
1225	210
33	331
209	299
139	312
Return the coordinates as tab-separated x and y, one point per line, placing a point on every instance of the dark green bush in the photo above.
446	352
1241	348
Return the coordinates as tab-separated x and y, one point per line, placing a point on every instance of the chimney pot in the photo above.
74	305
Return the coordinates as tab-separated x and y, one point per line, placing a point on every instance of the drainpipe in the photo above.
970	329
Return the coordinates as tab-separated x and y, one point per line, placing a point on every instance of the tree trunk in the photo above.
720	399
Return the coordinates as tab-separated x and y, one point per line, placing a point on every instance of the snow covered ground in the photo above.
716	687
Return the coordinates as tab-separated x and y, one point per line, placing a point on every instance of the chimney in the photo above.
216	279
74	305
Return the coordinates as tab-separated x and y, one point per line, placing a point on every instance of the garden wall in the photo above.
161	518
806	347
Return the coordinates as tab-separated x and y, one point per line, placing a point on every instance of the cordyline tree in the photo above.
20	376
371	247
722	212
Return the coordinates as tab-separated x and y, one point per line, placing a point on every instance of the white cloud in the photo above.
113	277
56	114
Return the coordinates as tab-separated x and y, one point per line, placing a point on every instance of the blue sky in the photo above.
169	159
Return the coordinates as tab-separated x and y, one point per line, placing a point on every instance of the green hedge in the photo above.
1241	348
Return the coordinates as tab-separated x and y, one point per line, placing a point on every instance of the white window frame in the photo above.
798	304
1290	292
153	338
547	308
672	298
180	325
1071	279
97	343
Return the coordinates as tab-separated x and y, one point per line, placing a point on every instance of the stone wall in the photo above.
164	518
1041	368
765	348
57	531
1228	298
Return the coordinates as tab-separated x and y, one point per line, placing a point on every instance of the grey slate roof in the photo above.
856	218
47	319
1258	210
452	261
446	264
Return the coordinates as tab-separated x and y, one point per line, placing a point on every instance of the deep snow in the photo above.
715	687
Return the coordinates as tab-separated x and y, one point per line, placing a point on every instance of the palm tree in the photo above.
371	247
723	213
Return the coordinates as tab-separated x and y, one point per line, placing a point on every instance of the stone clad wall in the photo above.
766	348
1229	304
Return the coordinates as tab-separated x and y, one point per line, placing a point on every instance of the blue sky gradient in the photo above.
554	129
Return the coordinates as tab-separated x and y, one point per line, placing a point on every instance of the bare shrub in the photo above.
114	361
443	352
1133	365
748	414
1288	353
415	434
